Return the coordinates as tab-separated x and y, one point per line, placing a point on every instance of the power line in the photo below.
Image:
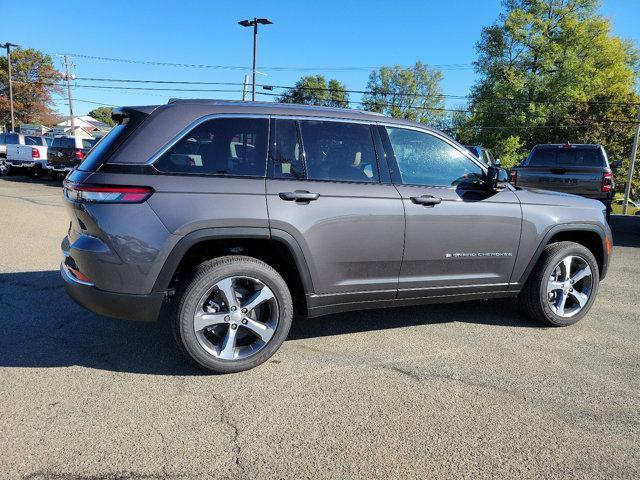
449	66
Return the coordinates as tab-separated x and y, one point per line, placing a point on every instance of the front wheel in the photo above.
233	314
563	285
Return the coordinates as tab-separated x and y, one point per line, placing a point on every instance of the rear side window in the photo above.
286	151
566	157
222	146
339	151
87	143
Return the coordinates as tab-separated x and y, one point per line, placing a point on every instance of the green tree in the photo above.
414	93
103	114
314	90
551	71
34	81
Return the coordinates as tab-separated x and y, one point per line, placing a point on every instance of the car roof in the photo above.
293	109
560	145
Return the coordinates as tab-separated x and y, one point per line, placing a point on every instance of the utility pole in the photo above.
254	23
68	63
8	46
245	88
632	161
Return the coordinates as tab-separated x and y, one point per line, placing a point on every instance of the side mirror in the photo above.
497	162
615	165
497	179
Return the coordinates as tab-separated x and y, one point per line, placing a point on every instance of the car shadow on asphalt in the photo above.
43	180
42	327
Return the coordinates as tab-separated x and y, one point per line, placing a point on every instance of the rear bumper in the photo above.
144	308
21	164
58	168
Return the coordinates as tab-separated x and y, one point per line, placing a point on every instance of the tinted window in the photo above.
1	138
425	159
339	151
32	140
223	146
87	143
12	139
566	157
287	151
63	142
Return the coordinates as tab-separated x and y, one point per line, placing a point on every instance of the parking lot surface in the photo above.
468	390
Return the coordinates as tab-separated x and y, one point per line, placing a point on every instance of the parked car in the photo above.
9	138
632	208
581	169
236	214
483	154
66	152
29	156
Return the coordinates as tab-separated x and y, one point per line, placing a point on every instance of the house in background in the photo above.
85	127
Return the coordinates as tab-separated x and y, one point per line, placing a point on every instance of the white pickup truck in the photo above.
29	156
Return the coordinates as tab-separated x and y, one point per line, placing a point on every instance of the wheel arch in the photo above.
589	235
276	248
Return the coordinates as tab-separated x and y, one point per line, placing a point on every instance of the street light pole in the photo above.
67	63
8	46
254	23
632	161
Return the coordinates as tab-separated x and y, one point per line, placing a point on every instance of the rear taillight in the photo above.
513	177
106	193
607	182
79	155
35	153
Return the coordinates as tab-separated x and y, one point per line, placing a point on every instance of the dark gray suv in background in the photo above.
237	214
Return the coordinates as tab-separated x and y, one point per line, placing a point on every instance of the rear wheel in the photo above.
563	285
233	313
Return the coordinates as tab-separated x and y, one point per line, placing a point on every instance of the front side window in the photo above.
221	146
339	151
425	159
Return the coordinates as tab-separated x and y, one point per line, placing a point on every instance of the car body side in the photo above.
190	215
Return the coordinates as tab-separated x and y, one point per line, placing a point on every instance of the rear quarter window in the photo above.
567	157
222	146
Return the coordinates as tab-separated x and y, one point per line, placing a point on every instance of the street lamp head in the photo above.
246	23
264	21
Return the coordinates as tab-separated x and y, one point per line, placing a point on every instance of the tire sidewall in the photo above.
586	255
197	288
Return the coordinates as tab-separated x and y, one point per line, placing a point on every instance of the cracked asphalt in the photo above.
471	390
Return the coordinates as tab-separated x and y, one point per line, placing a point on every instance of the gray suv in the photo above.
235	215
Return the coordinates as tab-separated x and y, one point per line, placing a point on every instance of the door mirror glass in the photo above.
497	178
615	165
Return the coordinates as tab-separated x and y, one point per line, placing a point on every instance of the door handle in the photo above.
299	196
426	200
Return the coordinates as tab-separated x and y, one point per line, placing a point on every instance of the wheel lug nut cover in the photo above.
244	321
233	326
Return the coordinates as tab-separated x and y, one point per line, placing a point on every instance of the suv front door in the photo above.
459	237
325	191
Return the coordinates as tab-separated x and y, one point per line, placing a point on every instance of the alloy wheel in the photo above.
236	318
569	286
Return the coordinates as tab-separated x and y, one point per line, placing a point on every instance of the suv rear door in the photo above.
329	188
459	237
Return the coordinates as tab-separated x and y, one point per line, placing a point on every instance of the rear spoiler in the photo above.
123	114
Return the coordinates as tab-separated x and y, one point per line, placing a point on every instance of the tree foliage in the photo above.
103	114
551	71
34	79
314	90
414	93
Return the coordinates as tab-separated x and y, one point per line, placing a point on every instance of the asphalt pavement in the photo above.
468	390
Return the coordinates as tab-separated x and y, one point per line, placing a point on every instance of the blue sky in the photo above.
335	34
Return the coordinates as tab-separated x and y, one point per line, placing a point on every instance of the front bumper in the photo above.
144	308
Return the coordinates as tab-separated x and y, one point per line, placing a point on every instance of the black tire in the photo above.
201	278
534	296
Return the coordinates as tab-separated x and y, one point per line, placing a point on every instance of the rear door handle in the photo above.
299	196
426	200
